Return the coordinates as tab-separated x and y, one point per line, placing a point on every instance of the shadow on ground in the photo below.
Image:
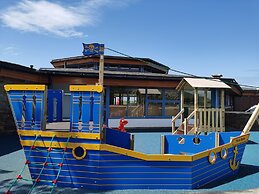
251	142
244	170
9	144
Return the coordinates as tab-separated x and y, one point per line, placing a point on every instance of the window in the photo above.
136	102
127	102
142	102
171	108
155	109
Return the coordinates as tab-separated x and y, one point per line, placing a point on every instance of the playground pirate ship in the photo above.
93	157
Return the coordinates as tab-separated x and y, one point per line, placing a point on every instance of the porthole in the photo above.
180	140
79	153
212	157
224	153
196	140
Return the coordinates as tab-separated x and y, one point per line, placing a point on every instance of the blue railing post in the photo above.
86	108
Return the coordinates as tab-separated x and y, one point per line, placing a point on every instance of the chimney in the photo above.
217	76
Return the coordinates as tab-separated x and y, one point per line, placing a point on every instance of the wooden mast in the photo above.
101	69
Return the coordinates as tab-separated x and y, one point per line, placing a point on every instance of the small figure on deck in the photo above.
121	127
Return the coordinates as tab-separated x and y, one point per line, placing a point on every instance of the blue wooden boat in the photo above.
97	158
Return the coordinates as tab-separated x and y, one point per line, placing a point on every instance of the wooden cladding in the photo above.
25	76
68	62
116	82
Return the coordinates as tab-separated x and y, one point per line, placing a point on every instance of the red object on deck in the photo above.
8	192
123	122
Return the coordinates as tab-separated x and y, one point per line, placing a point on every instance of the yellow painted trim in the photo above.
74	154
60	134
86	88
46	144
147	157
131	153
26	87
240	139
235	141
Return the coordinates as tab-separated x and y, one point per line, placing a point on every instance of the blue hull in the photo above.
106	170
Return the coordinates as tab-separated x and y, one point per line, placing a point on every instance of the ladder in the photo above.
44	164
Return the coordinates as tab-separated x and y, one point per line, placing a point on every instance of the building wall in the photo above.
7	125
237	121
245	102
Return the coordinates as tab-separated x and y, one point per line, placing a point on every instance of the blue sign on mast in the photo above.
93	49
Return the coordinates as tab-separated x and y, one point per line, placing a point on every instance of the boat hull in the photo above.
108	167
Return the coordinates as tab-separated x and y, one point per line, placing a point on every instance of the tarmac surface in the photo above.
247	181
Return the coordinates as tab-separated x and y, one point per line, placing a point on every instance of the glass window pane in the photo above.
136	102
154	109
118	102
172	95
127	102
189	101
171	109
201	94
154	94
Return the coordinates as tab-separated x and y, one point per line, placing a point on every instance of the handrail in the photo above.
174	119
178	114
191	115
251	121
186	121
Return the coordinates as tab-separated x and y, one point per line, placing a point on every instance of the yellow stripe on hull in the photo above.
60	134
134	154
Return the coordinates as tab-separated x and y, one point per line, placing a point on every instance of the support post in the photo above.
196	110
101	70
182	104
205	111
222	111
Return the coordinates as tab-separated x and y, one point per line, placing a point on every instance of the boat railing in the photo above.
204	120
210	120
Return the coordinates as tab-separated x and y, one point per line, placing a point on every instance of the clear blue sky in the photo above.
201	37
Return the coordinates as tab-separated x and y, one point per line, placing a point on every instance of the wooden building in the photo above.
139	89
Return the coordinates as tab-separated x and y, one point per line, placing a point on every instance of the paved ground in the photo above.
12	159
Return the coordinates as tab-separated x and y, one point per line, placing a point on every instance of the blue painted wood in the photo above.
28	109
117	138
108	170
74	110
172	145
225	137
54	96
97	111
85	112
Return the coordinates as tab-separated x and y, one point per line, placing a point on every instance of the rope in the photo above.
22	170
43	166
60	166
